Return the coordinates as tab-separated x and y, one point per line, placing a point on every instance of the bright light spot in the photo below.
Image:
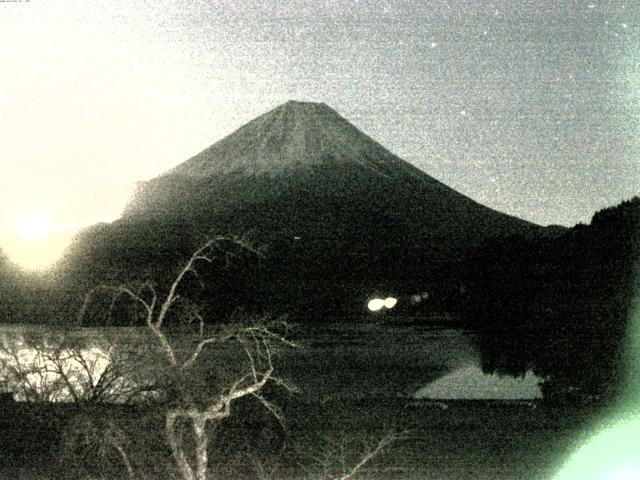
624	472
34	242
390	302
33	228
375	304
611	454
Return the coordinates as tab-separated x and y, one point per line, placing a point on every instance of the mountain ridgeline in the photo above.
339	215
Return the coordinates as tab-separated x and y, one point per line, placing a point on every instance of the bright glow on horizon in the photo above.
78	128
35	243
35	236
36	248
33	228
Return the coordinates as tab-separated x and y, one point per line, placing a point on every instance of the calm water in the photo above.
333	361
470	383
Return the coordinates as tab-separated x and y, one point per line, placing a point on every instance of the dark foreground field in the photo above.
467	440
355	387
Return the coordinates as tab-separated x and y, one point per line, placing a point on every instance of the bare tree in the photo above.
336	460
85	368
69	366
195	376
243	353
25	373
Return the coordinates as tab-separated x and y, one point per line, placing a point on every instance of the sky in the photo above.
529	107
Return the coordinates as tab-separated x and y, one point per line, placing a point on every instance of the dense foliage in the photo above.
561	304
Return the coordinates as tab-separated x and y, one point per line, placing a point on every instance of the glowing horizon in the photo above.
39	252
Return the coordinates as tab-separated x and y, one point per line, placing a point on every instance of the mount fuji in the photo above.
340	214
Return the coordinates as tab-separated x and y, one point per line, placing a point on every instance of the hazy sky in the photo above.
529	107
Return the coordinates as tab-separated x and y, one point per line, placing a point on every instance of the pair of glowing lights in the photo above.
377	304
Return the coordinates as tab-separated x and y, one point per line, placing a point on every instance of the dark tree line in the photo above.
21	294
560	305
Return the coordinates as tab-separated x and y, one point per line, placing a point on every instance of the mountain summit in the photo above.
340	214
293	135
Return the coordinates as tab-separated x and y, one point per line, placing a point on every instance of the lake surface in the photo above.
471	383
333	361
407	362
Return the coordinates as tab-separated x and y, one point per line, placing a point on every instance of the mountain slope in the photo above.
294	134
341	215
303	167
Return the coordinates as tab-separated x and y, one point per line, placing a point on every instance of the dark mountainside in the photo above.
12	290
339	215
24	297
560	306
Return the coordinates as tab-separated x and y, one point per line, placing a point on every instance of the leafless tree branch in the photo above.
367	457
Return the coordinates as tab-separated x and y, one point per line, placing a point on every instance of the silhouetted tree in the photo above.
244	365
565	300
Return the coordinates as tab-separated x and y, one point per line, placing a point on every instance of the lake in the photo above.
333	361
356	382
